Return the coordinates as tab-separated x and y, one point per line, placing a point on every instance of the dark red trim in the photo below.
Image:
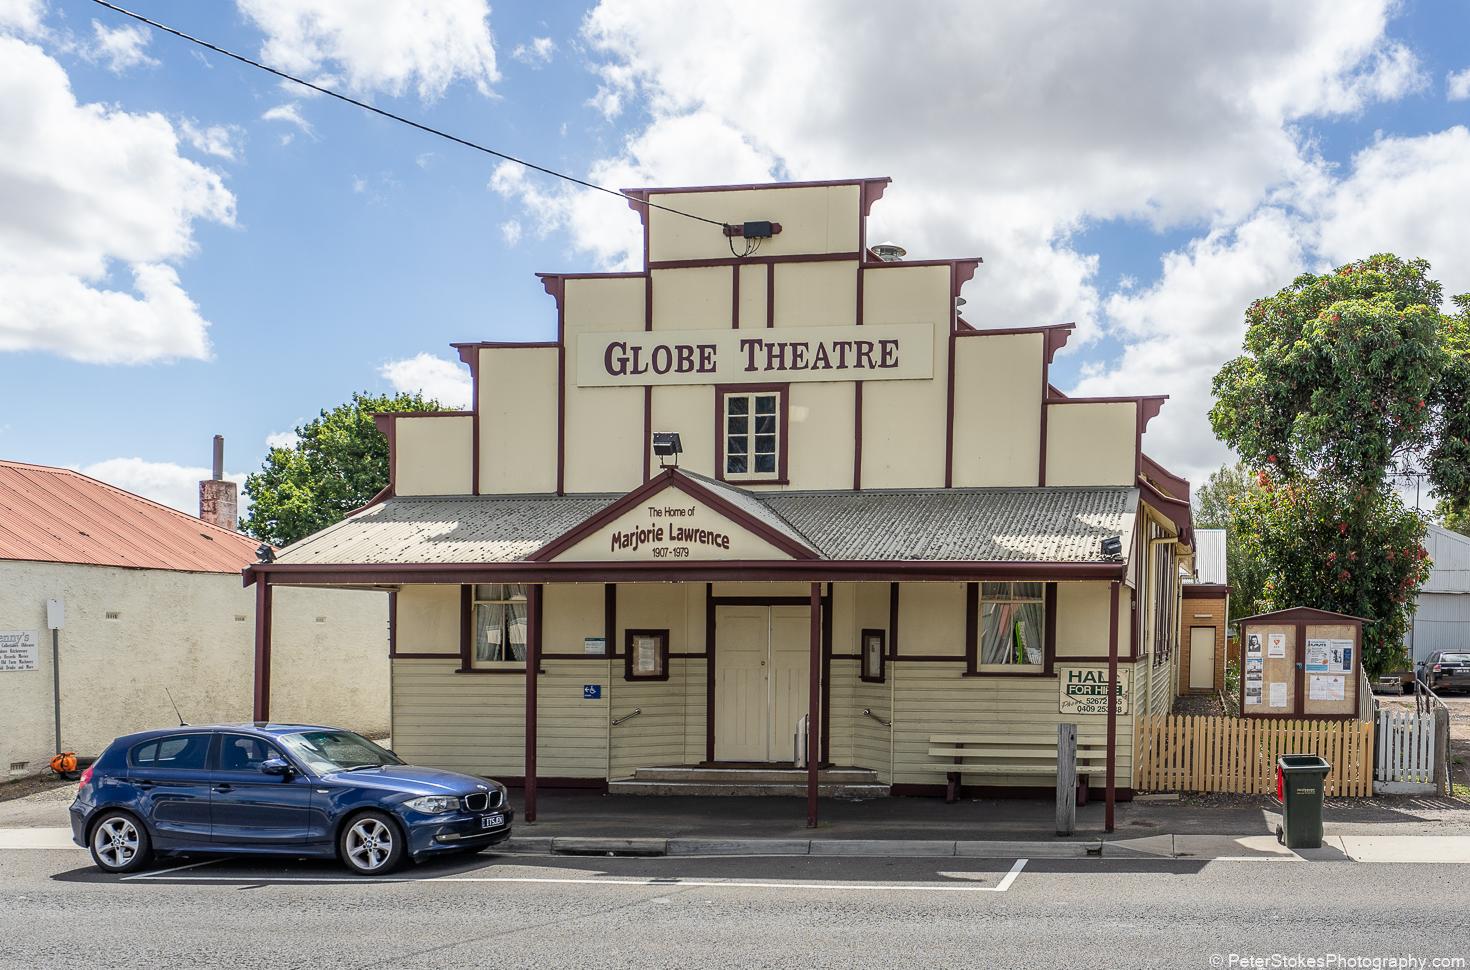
949	406
709	672
862	655
1177	511
857	436
392	622
826	608
1049	627
1204	591
1303	614
1167	481
893	621
813	704
475	420
910	790
663	650
498	671
760	600
1110	794
533	665
262	695
712	261
555	782
965	267
735	297
770	294
646	191
647	432
466	626
669	478
774	570
426	656
872	191
561	382
784	397
972	628
1041	445
610	618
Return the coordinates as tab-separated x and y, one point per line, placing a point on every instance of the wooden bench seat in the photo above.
1010	754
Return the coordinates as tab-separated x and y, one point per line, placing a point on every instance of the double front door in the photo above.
762	666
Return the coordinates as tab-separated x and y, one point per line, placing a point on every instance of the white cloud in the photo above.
282	439
1005	135
380	47
1409	196
120	48
537	53
221	141
22	16
174	485
289	113
511	231
434	377
1457	85
87	193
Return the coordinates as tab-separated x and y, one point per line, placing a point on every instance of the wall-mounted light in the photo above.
264	553
666	444
1112	547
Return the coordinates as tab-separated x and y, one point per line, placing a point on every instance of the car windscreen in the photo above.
325	751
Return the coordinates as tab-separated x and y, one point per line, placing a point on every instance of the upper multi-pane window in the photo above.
752	430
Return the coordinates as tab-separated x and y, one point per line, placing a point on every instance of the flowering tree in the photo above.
1342	375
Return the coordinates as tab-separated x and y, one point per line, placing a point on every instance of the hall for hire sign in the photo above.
785	354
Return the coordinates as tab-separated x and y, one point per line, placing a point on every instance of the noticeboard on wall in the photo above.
18	650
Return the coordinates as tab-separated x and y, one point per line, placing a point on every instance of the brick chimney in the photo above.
219	500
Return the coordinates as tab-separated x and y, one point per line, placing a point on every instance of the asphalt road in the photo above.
511	912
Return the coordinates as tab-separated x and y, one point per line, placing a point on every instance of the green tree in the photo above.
338	463
1343	374
1215	504
1453	520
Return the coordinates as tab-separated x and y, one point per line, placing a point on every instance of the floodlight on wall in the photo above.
1112	547
264	553
889	252
666	444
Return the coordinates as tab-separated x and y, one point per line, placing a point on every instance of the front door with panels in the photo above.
1201	658
762	661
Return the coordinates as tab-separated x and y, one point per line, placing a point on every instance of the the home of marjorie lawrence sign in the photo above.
884	523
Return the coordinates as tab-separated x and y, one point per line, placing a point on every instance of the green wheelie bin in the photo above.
1300	780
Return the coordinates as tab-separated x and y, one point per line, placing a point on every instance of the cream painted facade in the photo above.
882	391
129	633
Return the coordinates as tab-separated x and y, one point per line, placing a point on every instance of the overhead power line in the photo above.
400	118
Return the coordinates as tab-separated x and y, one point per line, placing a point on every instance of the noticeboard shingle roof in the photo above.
1063	525
58	515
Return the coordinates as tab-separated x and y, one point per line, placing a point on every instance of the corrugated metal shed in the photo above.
59	515
981	525
1442	609
1209	556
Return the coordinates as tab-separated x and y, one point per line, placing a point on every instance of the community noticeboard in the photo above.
1085	690
18	650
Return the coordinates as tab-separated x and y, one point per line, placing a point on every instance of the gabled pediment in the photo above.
677	517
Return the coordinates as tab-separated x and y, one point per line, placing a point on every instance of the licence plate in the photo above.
492	821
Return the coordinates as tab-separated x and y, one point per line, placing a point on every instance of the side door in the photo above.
247	806
172	784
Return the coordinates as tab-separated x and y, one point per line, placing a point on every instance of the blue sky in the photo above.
1145	174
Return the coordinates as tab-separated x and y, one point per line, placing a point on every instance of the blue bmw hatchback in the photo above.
277	789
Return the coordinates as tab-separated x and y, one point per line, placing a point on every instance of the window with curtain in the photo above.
1012	625
500	623
752	430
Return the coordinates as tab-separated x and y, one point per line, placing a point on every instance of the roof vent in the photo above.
889	252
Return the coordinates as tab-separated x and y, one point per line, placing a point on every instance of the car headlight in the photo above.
433	804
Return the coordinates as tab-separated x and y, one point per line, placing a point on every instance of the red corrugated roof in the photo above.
58	515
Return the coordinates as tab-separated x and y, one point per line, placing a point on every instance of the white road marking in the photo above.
653	882
164	872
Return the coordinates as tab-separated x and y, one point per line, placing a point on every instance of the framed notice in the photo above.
1326	687
18	650
1278	694
647	655
873	656
1276	645
1319	656
1253	645
594	646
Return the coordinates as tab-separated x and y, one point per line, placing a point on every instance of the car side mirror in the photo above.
276	766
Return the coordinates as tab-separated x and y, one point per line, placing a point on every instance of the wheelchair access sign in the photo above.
591	692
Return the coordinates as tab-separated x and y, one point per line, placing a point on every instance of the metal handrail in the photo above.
868	712
633	713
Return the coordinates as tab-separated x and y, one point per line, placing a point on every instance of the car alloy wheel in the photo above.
370	845
119	844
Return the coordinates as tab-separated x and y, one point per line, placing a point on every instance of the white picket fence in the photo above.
1407	760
